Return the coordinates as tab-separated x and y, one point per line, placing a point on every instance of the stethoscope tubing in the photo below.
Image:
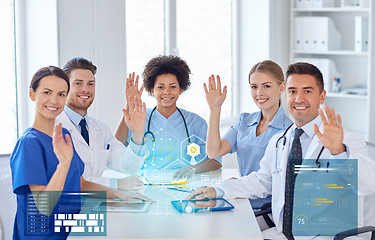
283	137
152	134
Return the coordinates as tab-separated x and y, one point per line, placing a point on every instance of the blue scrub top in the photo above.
169	151
250	148
34	162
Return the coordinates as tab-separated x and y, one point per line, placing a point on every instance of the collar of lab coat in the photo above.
309	131
68	124
308	128
74	117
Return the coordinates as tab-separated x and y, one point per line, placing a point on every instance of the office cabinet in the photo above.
336	36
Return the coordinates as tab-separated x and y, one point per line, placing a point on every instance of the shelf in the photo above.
338	52
355	68
347	96
334	9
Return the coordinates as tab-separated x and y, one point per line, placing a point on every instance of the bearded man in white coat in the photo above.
322	135
92	138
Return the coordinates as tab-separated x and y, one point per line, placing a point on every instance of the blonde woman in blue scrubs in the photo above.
250	135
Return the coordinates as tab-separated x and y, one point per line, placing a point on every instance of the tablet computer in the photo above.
123	206
215	204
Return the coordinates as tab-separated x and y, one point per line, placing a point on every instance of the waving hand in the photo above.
215	97
333	134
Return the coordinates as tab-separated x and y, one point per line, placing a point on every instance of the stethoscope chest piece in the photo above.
167	143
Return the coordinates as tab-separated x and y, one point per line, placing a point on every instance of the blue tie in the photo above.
295	158
84	132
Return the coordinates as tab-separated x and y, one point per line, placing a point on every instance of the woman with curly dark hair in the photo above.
175	137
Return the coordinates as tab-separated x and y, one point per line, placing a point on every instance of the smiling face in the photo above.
265	91
303	97
82	90
166	91
49	97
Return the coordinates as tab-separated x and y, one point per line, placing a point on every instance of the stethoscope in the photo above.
152	134
283	139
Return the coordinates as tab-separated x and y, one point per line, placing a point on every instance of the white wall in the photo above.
253	46
279	37
50	32
95	29
8	200
37	42
99	35
263	30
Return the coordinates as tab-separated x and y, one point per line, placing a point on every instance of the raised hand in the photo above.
62	146
214	96
135	118
131	89
333	134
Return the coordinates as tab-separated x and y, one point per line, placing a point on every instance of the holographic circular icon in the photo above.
301	221
188	209
193	150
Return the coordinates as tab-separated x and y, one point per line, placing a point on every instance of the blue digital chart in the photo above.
167	151
325	197
56	213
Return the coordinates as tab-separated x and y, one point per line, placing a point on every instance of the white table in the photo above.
163	221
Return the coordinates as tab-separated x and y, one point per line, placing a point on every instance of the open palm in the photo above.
131	89
333	134
214	96
62	146
135	117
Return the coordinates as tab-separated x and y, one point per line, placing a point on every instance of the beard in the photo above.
77	104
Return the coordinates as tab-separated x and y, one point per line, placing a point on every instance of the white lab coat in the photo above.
96	156
270	178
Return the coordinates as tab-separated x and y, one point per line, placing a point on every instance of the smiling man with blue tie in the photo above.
312	136
92	138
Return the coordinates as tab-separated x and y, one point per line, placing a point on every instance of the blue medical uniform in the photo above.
170	148
34	162
250	148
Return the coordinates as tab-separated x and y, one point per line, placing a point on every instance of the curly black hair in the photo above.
163	65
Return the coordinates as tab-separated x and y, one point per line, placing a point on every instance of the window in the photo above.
8	106
144	32
201	34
